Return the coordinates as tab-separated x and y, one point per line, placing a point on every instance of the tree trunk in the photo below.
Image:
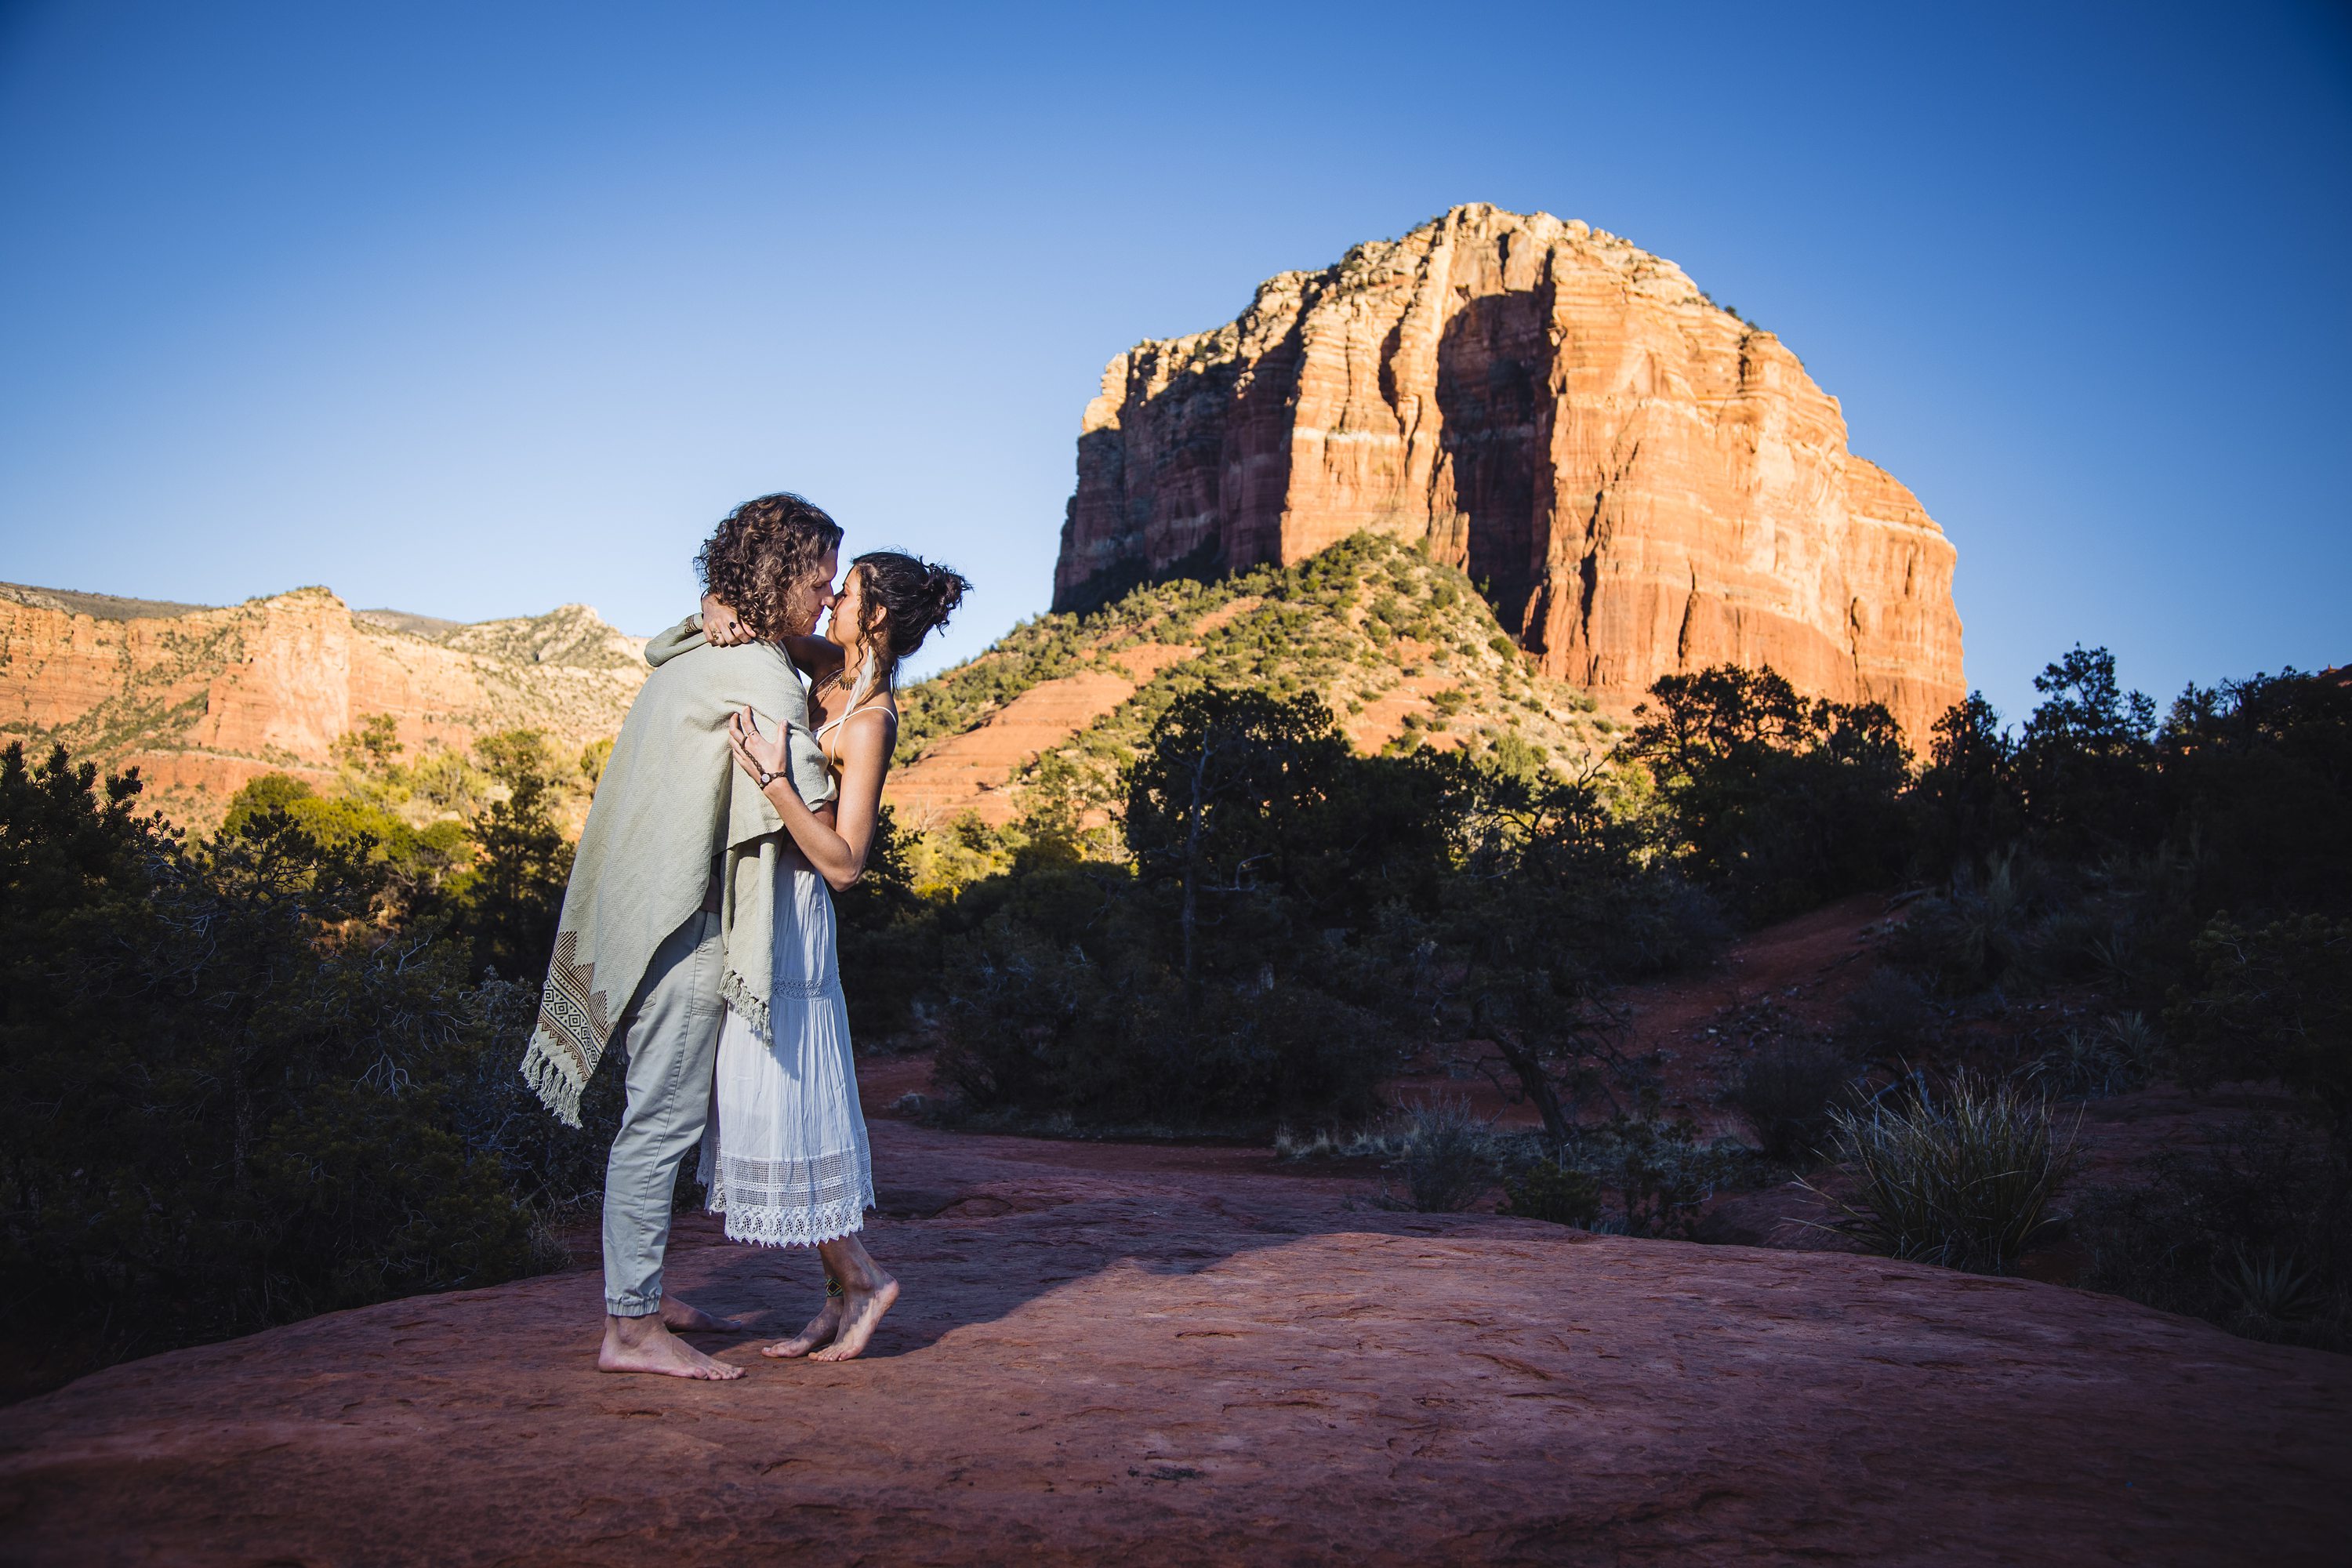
1540	1090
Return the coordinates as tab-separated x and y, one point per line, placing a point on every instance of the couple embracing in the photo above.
697	939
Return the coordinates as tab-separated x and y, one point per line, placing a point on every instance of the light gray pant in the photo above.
670	1039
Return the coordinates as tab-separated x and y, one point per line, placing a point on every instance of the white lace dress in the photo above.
785	1157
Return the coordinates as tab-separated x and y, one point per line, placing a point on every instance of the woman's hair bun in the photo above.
907	599
947	590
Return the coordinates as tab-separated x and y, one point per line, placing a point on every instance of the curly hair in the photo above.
905	600
761	550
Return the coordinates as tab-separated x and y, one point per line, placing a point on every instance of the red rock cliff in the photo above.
203	700
1646	483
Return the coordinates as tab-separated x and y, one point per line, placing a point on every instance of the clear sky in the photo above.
472	309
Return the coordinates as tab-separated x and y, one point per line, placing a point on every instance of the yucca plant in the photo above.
2108	1061
2271	1287
1965	1179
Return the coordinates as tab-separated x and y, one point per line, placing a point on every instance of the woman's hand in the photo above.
762	756
720	625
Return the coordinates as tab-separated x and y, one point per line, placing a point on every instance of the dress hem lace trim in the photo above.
796	1226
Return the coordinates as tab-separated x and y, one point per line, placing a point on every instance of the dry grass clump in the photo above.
1450	1156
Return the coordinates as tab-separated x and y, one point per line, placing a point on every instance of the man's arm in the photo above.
817	657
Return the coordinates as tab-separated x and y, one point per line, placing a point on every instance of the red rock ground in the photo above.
1193	1355
1176	1355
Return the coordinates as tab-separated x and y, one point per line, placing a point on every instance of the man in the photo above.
668	920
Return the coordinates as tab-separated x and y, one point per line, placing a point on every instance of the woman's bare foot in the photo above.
646	1344
678	1317
821	1328
863	1304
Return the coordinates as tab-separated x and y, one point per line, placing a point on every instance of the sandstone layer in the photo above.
1645	482
1146	1355
202	699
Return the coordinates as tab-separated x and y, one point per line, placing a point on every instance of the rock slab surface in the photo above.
1647	483
1113	1353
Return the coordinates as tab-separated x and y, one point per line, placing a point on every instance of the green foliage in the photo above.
2251	1231
1964	1179
889	949
373	746
1285	905
233	1092
1660	1171
1786	1089
2272	1001
1549	1190
1778	802
421	867
1225	796
1449	1158
2114	1057
1977	932
1970	803
509	909
1040	1030
2257	775
2086	756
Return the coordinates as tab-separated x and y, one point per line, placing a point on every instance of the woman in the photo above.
786	1161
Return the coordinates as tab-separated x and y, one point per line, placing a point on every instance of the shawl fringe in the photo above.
551	1074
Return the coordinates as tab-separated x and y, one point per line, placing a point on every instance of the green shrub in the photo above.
1777	802
2110	1058
1785	1090
1965	1179
1660	1171
1449	1158
1036	1031
234	1096
2252	1230
1974	935
2272	1001
2086	761
1549	1190
1886	1014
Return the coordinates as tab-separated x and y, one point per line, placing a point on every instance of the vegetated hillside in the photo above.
204	699
1402	649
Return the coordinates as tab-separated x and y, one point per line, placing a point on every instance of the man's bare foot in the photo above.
646	1344
862	1310
821	1328
678	1317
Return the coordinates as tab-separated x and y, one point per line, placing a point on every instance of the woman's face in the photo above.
846	628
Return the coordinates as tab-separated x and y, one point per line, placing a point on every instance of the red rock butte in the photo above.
1644	482
202	699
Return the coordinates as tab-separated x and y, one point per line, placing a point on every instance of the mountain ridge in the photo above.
204	700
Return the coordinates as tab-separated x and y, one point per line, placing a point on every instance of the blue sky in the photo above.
472	309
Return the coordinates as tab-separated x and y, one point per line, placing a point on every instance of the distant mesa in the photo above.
203	698
1643	481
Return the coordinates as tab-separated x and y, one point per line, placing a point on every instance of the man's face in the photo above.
813	594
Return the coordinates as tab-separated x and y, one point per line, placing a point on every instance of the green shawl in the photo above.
670	802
